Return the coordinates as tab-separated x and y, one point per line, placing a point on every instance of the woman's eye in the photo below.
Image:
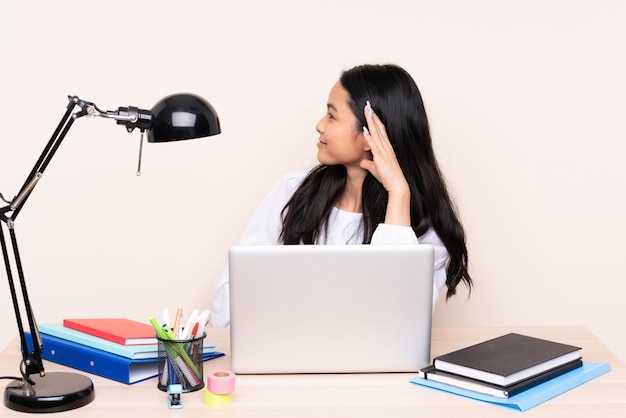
330	116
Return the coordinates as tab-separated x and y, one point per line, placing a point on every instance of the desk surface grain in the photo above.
352	395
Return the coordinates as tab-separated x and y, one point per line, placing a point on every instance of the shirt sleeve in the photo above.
386	234
263	228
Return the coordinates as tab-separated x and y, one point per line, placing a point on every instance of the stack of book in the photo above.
116	348
511	367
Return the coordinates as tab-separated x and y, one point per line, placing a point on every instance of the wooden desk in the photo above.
353	395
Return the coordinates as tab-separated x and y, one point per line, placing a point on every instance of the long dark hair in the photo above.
398	103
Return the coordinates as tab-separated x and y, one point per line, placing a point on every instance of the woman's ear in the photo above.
362	136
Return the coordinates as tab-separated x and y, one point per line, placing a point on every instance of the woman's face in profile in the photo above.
340	142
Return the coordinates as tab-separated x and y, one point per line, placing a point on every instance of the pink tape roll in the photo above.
220	382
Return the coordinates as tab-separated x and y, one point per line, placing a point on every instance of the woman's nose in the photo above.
319	127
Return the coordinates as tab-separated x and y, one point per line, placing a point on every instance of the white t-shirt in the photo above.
265	226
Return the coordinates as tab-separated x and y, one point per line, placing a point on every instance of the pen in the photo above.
204	318
177	318
187	330
159	330
166	317
169	334
194	331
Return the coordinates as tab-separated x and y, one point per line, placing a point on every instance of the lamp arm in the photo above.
131	117
32	362
46	156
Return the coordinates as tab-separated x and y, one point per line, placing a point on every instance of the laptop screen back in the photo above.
330	309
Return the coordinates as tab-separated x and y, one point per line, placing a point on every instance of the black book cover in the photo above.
507	359
499	391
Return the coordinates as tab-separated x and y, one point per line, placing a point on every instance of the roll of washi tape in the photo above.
221	382
215	399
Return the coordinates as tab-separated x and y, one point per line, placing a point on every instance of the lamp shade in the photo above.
182	116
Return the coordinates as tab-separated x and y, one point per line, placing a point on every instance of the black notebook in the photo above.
508	359
496	390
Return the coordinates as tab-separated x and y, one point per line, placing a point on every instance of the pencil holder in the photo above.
180	362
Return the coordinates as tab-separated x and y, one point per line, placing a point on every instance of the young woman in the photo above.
378	182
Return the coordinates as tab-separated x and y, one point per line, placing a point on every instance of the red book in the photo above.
119	330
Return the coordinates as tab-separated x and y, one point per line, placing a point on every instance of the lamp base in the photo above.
54	392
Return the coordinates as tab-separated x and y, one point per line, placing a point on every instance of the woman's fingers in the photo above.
376	130
384	164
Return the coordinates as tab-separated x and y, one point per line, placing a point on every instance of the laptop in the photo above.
330	308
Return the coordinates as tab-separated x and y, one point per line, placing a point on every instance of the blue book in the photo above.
135	352
99	362
533	396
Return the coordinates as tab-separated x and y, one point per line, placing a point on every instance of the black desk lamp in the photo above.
176	117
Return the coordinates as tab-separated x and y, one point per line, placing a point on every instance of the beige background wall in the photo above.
526	99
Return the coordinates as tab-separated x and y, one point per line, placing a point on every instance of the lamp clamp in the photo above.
131	117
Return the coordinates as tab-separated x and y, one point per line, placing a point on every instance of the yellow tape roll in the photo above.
213	399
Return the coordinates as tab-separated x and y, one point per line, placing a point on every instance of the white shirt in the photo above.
265	226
